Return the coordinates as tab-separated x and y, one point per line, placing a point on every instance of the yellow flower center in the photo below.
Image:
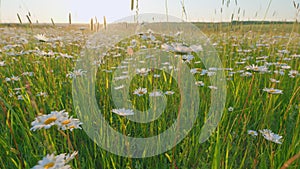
141	92
198	69
72	127
271	91
66	122
49	165
50	120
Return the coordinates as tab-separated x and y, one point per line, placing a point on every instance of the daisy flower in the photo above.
12	79
20	97
246	74
274	80
98	62
18	89
240	63
272	91
41	38
42	94
252	133
122	67
150	31
209	74
283	51
269	135
27	74
66	123
142	71
230	109
293	73
2	63
140	91
187	58
285	67
181	48
65	55
76	73
56	162
46	121
61	119
281	72
256	68
169	92
198	70
293	56
199	83
123	112
213	87
51	162
155	94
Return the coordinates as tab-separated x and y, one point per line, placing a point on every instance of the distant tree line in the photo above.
260	22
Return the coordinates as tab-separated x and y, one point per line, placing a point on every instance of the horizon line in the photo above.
81	23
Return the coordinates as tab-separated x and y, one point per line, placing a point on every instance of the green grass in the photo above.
229	146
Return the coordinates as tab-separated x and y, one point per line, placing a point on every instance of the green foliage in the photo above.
229	147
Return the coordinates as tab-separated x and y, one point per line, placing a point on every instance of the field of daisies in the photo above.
259	128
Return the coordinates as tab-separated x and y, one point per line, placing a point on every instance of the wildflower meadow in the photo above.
259	127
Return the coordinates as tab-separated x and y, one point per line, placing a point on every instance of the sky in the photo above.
196	10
